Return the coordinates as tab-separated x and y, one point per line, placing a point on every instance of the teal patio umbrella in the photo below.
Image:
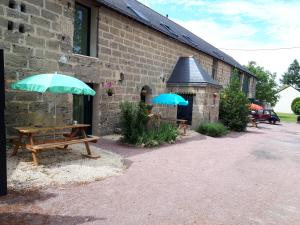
169	99
53	83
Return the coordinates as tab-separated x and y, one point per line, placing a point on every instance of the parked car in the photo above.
265	115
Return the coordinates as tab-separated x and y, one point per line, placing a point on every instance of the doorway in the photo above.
146	94
83	109
186	112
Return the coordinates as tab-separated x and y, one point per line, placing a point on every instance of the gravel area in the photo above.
60	167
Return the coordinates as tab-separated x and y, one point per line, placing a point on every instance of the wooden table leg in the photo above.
18	144
184	128
71	136
87	146
34	153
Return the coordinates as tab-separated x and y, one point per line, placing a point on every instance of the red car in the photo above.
265	115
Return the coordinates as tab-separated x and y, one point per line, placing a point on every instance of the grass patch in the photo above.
212	129
287	117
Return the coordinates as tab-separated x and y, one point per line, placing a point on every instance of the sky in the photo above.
239	24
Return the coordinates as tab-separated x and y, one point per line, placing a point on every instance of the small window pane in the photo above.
246	84
81	39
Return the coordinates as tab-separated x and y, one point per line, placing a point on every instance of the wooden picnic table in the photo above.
76	134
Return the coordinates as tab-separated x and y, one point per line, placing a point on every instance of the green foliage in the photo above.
292	76
266	87
234	105
295	106
212	129
133	121
166	133
149	107
133	124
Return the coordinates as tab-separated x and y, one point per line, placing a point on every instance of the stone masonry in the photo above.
146	58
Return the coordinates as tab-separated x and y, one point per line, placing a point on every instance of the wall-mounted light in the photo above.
63	59
162	78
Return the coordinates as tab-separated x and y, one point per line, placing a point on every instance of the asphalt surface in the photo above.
244	178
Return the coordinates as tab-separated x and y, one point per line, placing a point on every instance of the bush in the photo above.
212	129
166	133
234	106
133	121
295	106
134	127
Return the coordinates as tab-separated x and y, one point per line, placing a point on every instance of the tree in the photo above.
266	86
292	76
234	105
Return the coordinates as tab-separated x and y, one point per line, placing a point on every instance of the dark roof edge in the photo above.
113	7
203	84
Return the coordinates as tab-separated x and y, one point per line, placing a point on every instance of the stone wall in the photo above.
223	73
39	36
143	55
205	103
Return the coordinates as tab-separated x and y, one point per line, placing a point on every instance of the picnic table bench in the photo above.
182	124
76	136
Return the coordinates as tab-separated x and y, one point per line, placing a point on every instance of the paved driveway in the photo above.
249	178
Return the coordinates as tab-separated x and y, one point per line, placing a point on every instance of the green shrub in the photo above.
133	124
295	106
212	129
133	121
166	133
234	106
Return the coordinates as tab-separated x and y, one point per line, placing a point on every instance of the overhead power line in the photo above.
261	49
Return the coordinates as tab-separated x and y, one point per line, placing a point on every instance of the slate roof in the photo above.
153	19
188	71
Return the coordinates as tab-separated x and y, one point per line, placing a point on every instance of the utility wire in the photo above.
261	49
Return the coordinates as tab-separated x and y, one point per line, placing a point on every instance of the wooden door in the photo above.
83	109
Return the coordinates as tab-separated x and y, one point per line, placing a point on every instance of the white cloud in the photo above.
280	20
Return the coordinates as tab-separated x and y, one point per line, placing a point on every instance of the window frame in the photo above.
88	28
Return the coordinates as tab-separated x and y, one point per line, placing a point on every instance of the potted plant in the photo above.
109	92
109	89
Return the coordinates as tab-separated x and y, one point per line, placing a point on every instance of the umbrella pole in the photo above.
55	110
55	115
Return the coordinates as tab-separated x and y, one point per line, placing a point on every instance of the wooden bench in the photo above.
182	124
59	143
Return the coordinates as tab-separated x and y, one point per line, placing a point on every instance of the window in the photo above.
189	40
214	68
169	29
138	14
82	30
246	85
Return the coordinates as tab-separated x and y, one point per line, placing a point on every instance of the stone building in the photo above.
118	43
